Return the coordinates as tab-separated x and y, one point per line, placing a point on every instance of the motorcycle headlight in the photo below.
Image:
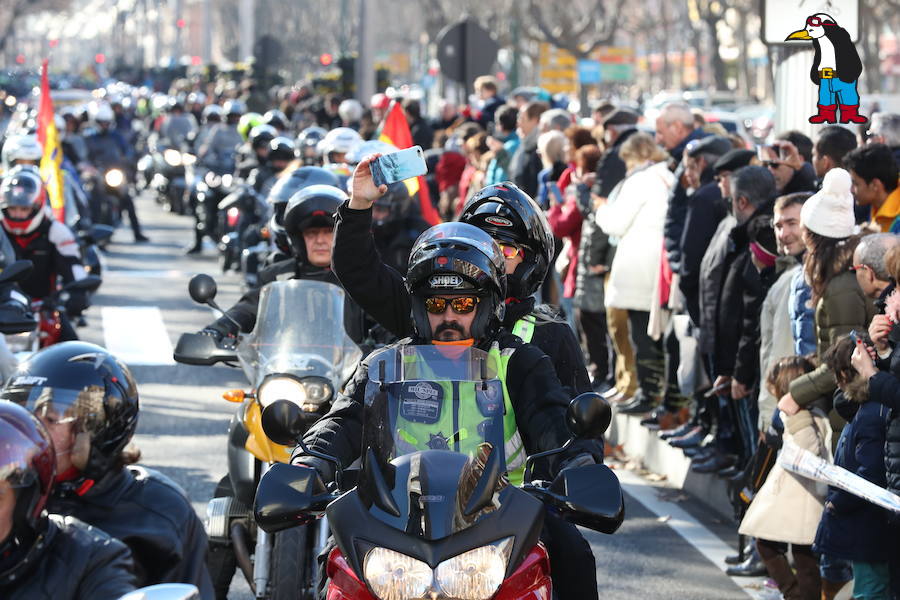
114	178
395	576
212	180
281	388
188	159
172	157
476	574
318	392
227	179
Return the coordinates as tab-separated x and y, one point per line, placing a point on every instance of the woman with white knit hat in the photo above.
827	224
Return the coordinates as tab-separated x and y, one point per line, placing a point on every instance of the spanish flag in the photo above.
51	161
395	130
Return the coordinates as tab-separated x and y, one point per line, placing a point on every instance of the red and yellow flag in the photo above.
395	130
48	136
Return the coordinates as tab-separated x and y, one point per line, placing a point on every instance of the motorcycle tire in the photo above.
220	559
292	576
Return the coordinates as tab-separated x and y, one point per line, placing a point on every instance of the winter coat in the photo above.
775	337
73	562
737	330
842	308
803	316
636	218
565	221
381	292
593	250
712	273
705	210
678	202
853	528
611	168
526	164
153	516
884	388
788	507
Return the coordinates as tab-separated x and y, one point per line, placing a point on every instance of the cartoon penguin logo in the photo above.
836	69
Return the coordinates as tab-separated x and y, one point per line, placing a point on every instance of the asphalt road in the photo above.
184	418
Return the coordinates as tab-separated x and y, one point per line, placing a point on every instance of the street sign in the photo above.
589	71
466	51
780	18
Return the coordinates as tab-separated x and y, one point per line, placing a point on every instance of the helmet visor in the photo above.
20	445
84	408
20	192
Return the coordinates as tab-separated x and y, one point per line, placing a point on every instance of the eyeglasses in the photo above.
858	267
461	305
817	22
772	164
511	251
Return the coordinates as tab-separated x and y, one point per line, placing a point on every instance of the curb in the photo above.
657	456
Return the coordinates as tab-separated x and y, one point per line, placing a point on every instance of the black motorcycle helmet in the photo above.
261	136
474	264
391	207
285	188
276	119
281	149
508	214
28	464
313	206
307	145
83	383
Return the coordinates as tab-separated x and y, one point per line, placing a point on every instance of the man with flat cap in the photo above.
617	127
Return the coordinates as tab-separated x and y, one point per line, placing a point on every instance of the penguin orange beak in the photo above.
802	34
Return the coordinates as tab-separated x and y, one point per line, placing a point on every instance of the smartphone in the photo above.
854	336
398	166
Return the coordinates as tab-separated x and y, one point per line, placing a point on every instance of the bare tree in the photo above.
12	10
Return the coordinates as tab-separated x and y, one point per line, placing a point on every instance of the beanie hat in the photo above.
829	212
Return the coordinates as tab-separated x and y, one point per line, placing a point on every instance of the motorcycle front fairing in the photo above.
433	482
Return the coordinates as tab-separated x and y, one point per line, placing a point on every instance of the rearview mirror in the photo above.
590	496
99	234
89	283
17	271
202	288
588	416
283	422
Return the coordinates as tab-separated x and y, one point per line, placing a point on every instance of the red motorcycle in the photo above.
432	513
52	309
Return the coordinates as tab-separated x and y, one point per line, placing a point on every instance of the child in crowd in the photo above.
851	527
787	508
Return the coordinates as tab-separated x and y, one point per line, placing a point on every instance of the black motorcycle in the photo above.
432	513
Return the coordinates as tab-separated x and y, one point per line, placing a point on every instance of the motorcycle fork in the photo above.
262	554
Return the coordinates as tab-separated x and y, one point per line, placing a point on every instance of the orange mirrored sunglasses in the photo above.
461	305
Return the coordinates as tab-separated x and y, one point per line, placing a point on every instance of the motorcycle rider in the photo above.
178	126
280	156
49	244
309	226
255	151
337	143
508	215
396	224
457	285
20	150
306	144
209	118
276	119
41	557
107	149
88	401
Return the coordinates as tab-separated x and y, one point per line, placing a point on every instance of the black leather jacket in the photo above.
70	561
152	515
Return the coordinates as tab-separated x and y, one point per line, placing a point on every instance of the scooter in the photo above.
432	513
299	353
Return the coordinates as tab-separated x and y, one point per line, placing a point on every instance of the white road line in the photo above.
149	273
137	335
698	536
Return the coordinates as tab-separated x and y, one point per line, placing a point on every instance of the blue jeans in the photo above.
835	569
834	91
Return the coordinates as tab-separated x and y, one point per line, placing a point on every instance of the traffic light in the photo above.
180	23
100	58
54	43
20	59
326	59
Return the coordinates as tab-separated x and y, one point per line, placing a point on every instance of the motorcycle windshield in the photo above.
444	398
299	332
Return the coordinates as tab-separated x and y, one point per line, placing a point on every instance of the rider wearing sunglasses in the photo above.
512	219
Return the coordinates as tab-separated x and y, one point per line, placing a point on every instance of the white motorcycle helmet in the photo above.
341	140
101	112
350	111
20	149
210	110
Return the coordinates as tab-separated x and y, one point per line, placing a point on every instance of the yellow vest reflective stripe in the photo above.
524	328
456	429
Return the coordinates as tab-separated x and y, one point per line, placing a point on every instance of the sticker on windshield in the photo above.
420	402
490	400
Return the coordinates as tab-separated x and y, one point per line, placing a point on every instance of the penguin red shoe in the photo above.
850	114
827	114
